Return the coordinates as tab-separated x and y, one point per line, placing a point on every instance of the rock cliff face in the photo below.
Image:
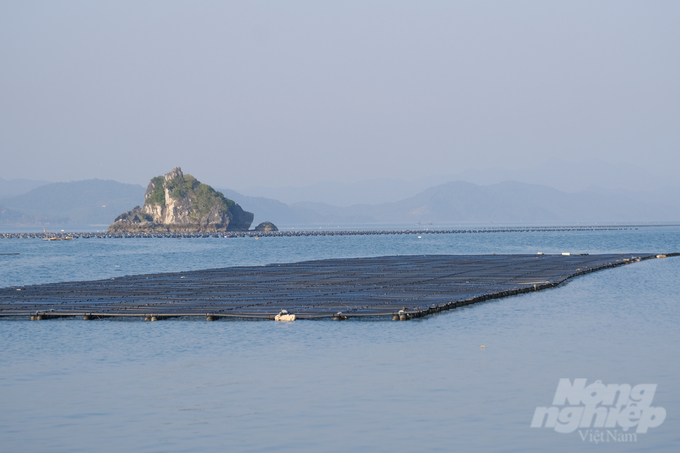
177	203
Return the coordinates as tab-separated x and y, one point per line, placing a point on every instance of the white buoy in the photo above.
403	316
284	316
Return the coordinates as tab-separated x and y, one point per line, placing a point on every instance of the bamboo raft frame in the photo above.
400	287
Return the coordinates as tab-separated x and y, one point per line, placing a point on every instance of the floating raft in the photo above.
400	287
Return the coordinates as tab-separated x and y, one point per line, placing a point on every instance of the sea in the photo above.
469	379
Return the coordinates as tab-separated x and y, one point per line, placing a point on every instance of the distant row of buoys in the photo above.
257	234
283	315
39	316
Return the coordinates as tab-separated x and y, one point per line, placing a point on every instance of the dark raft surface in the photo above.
418	285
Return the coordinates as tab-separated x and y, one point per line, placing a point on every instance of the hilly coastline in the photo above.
506	202
88	202
97	202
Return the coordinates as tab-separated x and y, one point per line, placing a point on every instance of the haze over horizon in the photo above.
271	94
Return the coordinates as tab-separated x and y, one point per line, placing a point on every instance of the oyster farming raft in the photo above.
392	287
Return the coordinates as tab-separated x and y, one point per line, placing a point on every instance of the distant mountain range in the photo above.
507	202
90	202
16	187
589	175
625	196
464	202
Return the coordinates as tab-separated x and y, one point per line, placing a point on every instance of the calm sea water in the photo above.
422	385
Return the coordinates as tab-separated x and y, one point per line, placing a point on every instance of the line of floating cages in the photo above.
310	312
423	229
403	314
282	316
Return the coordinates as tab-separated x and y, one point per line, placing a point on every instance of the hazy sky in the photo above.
275	93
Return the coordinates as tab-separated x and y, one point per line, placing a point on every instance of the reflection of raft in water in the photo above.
54	237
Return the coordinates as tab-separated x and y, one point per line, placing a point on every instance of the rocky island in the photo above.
180	203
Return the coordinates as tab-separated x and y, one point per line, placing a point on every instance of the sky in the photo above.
292	93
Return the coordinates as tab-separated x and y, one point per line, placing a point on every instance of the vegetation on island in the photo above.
158	194
203	197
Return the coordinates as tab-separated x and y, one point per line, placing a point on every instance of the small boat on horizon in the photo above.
54	237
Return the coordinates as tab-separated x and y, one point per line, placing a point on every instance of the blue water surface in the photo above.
88	259
423	385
